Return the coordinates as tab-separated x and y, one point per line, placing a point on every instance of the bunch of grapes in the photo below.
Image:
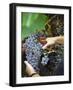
33	51
50	62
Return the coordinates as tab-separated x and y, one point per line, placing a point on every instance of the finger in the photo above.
45	46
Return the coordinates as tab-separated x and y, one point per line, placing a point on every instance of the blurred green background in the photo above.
31	22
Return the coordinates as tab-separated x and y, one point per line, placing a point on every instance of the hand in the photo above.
53	40
30	70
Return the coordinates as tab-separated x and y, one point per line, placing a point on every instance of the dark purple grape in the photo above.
33	51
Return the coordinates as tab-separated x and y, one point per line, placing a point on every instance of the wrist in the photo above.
34	74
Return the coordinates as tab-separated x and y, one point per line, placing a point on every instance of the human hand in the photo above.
30	70
53	40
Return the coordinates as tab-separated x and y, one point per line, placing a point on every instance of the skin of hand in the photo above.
30	70
53	40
